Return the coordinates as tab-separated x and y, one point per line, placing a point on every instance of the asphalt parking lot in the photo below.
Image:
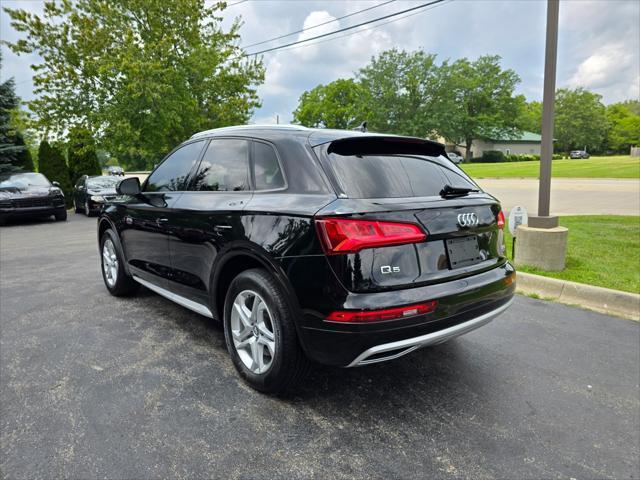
94	386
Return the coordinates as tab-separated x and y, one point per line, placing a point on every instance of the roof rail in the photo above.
250	127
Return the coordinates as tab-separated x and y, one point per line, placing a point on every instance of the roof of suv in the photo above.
315	136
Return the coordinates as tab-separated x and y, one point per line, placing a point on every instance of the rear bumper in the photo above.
389	351
463	305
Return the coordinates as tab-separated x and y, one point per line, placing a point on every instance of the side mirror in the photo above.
129	186
55	184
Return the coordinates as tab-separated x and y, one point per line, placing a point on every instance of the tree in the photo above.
480	101
83	159
530	117
403	92
53	166
9	151
623	121
143	74
339	104
579	120
23	158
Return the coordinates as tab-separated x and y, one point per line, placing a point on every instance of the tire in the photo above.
75	207
87	210
61	216
287	363
121	284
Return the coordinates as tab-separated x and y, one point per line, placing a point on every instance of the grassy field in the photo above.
602	251
594	167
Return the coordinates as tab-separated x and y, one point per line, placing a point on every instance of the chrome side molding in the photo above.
174	297
402	347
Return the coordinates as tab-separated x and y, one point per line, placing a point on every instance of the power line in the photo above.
318	25
368	28
236	3
434	2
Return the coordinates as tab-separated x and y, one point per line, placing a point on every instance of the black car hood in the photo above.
11	193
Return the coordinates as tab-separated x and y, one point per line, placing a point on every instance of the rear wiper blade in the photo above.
449	191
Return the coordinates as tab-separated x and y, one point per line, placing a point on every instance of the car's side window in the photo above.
266	169
173	173
80	181
224	167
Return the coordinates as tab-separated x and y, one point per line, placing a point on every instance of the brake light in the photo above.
345	235
364	316
500	219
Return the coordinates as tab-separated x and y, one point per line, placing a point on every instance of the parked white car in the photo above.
454	157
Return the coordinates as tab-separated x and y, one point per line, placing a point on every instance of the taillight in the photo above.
363	316
345	235
500	220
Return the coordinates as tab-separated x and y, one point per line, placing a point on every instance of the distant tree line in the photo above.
408	93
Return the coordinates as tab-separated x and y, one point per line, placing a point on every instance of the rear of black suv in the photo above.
414	253
343	247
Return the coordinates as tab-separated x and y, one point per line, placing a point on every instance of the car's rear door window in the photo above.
224	167
393	176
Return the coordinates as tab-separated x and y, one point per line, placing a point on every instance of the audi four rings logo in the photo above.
467	219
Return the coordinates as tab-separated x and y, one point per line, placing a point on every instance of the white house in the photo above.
525	143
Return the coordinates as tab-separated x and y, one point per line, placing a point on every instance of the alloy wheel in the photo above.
110	263
252	331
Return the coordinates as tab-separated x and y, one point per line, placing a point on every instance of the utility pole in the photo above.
543	220
542	243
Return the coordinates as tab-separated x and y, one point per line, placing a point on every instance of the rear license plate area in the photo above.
463	251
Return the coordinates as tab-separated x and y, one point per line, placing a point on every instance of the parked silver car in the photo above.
454	157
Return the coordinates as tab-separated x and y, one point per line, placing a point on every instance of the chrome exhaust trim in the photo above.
402	347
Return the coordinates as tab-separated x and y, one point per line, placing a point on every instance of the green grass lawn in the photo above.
603	250
622	166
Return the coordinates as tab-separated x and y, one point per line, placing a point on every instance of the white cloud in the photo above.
603	68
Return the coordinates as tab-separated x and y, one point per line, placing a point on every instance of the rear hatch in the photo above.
406	215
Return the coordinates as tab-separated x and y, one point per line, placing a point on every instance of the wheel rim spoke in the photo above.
252	332
110	263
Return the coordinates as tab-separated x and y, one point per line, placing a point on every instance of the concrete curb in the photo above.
604	300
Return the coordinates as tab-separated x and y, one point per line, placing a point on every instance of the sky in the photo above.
598	44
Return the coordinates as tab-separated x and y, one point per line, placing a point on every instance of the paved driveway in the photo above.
93	386
569	196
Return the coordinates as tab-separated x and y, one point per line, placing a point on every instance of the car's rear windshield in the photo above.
395	176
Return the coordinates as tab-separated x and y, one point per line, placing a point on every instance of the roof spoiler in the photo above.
383	145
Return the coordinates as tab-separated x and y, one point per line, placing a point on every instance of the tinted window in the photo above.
389	176
172	174
266	168
224	167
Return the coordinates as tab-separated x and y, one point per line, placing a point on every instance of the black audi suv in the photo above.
341	247
30	194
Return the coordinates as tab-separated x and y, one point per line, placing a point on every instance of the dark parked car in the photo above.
117	171
29	194
578	154
342	247
91	193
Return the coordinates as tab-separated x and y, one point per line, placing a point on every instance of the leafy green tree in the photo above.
9	151
623	120
403	92
478	101
339	104
145	74
52	165
530	117
579	120
83	159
